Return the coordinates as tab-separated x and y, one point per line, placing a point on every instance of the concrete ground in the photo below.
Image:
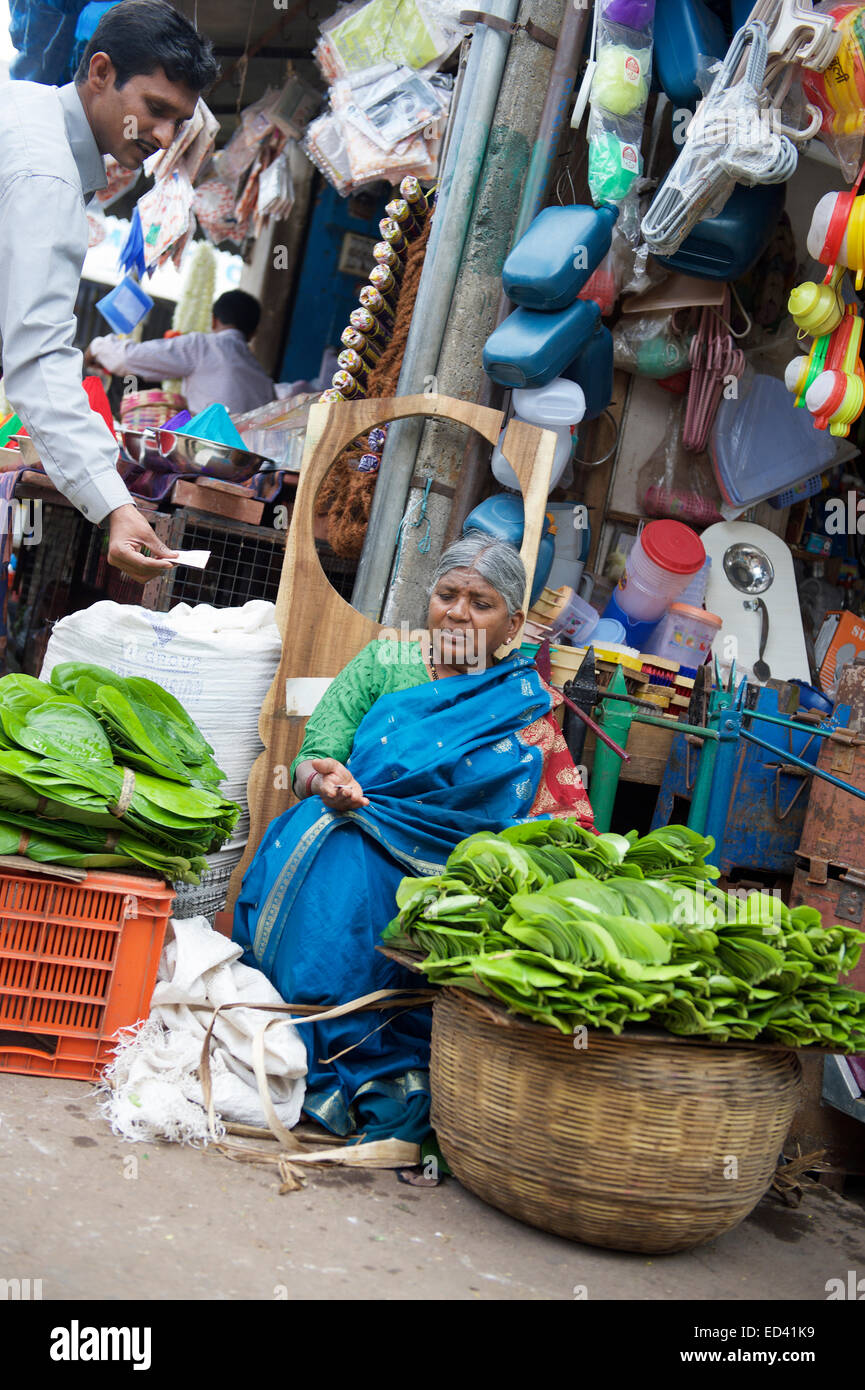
95	1218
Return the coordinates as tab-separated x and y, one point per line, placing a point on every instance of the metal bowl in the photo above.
164	451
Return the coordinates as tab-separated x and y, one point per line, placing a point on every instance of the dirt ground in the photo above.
96	1218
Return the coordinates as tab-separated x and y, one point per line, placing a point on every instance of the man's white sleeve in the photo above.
158	358
40	266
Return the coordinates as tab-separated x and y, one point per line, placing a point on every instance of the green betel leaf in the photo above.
66	675
143	745
60	729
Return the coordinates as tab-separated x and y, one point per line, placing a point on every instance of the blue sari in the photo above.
438	762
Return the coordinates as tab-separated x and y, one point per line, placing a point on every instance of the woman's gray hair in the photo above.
495	561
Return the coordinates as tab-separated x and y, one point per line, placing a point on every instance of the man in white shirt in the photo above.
216	366
138	82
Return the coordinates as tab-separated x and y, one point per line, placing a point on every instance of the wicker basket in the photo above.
147	410
630	1143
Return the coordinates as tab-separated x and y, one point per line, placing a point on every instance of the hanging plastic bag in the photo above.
120	181
651	344
839	91
214	205
614	156
387	108
624	68
275	190
166	212
676	484
325	145
413	33
256	125
634	14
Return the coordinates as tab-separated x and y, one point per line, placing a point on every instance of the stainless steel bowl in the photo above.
164	451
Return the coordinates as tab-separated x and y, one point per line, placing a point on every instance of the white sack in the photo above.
151	1088
218	662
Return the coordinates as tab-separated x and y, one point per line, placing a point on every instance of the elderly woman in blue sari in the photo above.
414	746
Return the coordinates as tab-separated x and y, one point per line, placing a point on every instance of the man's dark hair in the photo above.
140	36
237	309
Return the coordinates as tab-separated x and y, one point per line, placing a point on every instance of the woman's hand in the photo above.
333	783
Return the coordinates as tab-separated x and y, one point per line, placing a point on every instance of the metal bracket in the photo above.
494	21
789	770
818	870
851	902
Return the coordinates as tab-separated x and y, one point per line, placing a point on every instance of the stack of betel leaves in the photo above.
97	771
572	928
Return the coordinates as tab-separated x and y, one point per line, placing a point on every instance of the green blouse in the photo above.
384	666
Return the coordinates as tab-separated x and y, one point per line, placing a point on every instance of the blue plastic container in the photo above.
592	370
554	258
727	246
502	516
530	348
636	632
610	630
685	31
811	698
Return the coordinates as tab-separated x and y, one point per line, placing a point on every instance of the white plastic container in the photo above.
568	617
664	558
684	634
558	406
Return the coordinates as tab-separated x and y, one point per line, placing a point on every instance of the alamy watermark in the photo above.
22	517
443	647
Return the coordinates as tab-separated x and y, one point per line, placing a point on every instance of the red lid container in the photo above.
673	546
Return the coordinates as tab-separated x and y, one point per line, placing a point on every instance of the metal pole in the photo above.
706	771
456	196
729	724
564	72
800	762
572	35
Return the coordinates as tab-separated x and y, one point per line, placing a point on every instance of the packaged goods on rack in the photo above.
256	127
384	123
418	34
214	205
120	181
166	219
191	148
621	71
275	192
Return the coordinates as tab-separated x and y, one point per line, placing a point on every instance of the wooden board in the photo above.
321	632
649	748
236	503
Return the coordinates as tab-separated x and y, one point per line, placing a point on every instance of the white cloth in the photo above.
49	165
214	367
151	1090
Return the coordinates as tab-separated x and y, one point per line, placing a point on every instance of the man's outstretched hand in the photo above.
128	533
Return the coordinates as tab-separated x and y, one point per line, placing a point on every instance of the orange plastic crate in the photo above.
77	962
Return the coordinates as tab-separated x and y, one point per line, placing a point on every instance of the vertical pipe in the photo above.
729	721
616	719
703	783
468	142
572	35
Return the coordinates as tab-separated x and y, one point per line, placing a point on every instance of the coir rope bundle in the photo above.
346	495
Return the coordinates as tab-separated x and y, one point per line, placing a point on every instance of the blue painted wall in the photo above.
325	296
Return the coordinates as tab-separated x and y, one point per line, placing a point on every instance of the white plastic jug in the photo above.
557	406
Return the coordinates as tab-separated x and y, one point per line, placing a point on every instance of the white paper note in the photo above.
197	559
